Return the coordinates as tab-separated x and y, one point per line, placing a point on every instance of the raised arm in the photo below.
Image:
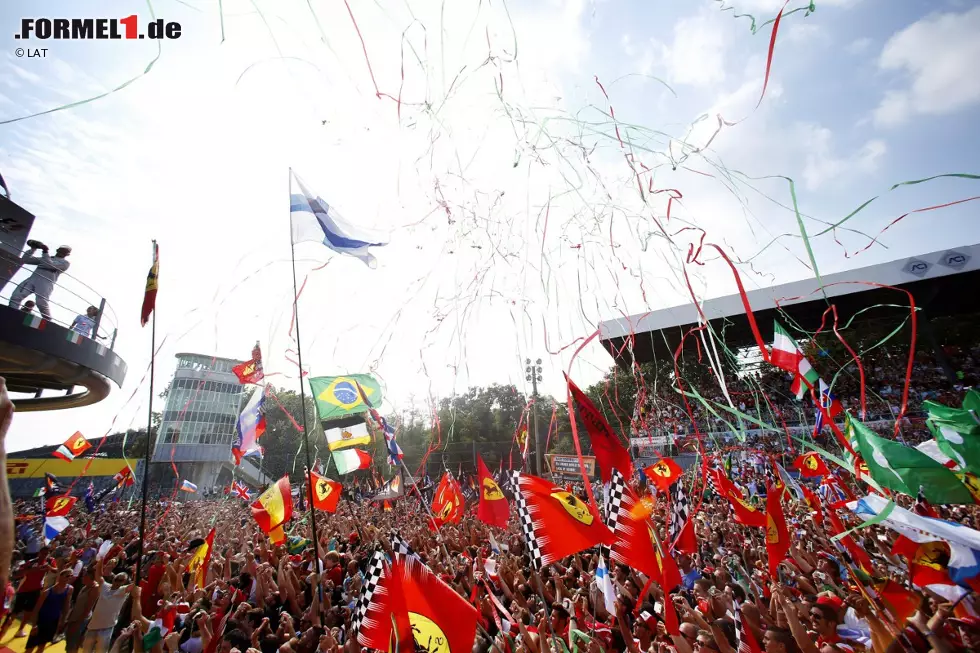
6	509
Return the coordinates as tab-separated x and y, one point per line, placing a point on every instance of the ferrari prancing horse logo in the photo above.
491	491
573	506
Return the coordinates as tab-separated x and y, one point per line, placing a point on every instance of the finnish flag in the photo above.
312	219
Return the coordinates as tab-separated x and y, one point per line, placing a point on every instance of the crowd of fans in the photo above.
82	588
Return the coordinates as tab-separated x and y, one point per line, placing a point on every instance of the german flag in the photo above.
274	507
326	493
198	565
73	447
150	295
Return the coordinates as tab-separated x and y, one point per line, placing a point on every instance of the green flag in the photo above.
905	469
959	419
337	396
962	448
971	402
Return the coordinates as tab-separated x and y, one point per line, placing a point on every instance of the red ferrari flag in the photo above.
251	370
73	447
813	502
777	534
274	507
663	473
441	620
150	294
609	451
59	506
811	465
493	508
556	523
124	477
326	493
745	513
636	544
447	503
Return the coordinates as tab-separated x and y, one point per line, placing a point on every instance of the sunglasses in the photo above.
816	616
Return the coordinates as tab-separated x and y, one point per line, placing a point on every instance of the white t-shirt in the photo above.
107	607
84	325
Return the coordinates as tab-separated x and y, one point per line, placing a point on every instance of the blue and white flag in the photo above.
604	583
53	526
963	541
250	427
314	220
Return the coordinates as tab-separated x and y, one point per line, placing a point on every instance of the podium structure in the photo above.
47	366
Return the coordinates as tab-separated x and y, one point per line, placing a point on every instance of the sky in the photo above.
501	147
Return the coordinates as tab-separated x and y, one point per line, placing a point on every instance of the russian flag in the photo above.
187	486
53	526
250	427
313	219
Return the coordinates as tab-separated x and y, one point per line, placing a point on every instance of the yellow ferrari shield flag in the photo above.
337	396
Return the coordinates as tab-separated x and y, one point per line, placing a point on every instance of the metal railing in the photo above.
69	298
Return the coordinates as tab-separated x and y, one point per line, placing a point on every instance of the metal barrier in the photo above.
69	298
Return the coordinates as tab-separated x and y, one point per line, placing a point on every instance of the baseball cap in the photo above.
969	621
833	601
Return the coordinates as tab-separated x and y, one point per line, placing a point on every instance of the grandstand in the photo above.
936	280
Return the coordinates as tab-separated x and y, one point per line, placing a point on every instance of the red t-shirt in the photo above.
336	575
34	573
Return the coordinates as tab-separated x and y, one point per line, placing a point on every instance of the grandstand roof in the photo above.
937	281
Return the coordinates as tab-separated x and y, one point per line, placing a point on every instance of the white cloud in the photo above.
858	46
938	55
696	56
825	166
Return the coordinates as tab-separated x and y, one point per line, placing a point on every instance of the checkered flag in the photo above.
400	545
679	509
744	640
527	524
710	477
372	577
615	490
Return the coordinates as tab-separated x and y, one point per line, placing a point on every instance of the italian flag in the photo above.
787	355
34	321
74	338
351	460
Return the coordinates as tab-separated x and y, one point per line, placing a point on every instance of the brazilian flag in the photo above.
338	396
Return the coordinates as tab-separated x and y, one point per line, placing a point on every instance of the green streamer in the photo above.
810	446
959	175
79	103
877	519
